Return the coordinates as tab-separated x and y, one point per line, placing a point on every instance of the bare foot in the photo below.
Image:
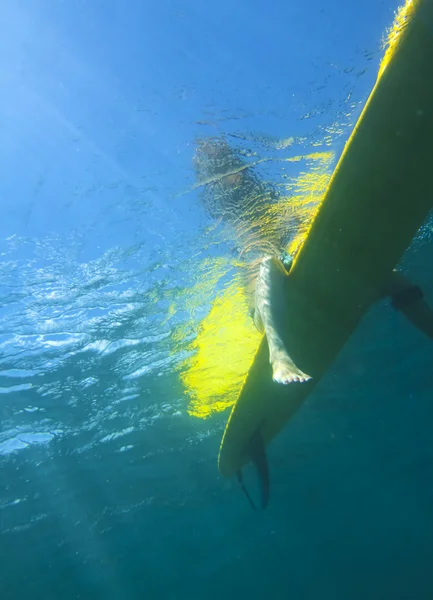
285	371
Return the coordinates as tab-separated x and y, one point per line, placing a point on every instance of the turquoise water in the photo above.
109	488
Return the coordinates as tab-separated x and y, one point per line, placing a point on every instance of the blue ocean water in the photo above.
109	488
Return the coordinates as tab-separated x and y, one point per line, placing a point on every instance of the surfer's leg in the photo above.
270	313
408	299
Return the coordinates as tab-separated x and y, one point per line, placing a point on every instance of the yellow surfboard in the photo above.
379	196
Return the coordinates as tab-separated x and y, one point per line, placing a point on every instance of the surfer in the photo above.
234	194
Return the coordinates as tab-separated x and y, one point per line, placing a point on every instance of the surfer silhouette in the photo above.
233	193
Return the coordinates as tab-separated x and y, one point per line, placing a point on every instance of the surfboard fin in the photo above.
257	452
244	489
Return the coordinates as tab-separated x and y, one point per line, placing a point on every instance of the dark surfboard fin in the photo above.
244	489
257	453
